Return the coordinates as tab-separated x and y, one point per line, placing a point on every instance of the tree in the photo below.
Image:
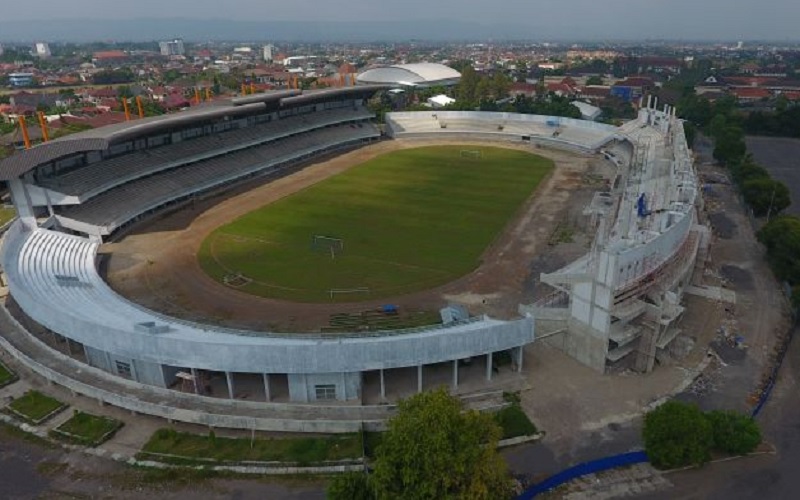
766	196
467	90
677	434
734	433
781	236
433	449
594	80
350	486
690	132
729	145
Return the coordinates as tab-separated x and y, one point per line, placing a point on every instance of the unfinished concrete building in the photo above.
620	302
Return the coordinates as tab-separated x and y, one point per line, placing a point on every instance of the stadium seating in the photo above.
103	175
115	207
560	132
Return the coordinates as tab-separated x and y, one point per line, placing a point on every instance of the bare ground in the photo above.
155	263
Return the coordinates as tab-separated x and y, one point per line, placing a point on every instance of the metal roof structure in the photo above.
411	75
101	138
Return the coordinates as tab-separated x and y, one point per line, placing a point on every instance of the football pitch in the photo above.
402	222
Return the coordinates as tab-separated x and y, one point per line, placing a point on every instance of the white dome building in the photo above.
419	75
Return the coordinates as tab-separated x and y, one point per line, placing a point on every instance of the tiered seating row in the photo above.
114	208
98	177
566	132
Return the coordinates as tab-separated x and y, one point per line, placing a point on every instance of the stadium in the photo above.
81	193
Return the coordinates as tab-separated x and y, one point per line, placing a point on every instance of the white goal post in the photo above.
471	153
321	243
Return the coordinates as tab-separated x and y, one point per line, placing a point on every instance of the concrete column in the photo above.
520	352
196	381
266	386
489	366
455	374
419	378
229	377
383	387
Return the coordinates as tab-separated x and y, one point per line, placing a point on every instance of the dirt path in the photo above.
156	263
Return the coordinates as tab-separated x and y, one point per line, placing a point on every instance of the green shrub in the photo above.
514	422
733	433
350	486
677	434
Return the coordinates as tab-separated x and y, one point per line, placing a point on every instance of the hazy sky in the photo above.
729	19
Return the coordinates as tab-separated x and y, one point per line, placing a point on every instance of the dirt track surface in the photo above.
156	264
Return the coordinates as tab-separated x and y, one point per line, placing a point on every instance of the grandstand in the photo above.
73	192
564	133
621	298
621	301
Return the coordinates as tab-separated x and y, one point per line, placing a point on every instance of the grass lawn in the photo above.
6	375
407	221
6	214
36	407
303	450
86	429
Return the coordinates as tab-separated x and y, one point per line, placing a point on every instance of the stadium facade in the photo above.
73	192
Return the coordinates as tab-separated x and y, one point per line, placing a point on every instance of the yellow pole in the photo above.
196	95
25	137
244	89
127	109
43	124
208	94
139	105
252	88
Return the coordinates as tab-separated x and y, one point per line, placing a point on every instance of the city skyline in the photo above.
448	19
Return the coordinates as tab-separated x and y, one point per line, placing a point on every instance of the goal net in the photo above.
327	244
471	153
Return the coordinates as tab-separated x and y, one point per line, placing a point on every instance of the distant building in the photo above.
42	49
1	49
109	57
172	47
20	79
266	52
440	101
420	75
588	112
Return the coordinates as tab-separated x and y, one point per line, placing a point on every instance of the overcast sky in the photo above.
718	19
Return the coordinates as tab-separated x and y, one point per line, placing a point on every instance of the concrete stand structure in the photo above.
623	298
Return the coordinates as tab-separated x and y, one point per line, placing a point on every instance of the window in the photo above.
123	369
325	392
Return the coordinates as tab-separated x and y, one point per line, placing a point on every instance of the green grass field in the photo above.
35	407
408	220
182	447
86	429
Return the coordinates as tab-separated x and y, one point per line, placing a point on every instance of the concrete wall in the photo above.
141	371
302	387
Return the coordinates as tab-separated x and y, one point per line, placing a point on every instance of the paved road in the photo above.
766	477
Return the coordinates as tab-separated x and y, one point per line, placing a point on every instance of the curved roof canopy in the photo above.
412	75
102	138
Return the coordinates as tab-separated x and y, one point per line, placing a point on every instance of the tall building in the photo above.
42	49
267	52
1	49
172	47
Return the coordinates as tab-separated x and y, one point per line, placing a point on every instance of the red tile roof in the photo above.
752	93
110	54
